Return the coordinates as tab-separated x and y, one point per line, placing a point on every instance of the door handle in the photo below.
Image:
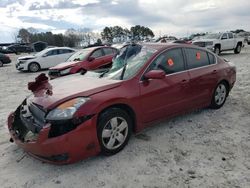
214	71
184	81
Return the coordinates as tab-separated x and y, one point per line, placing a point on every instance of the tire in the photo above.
237	49
34	67
82	71
1	64
114	136
220	95
217	50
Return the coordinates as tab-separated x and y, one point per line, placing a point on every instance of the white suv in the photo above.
45	59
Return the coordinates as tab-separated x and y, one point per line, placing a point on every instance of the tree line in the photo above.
135	33
73	38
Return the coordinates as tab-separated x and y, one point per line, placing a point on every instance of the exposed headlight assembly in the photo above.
67	109
66	71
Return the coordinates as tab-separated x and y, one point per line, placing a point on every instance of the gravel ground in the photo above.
206	148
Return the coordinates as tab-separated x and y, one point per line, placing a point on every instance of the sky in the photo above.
165	17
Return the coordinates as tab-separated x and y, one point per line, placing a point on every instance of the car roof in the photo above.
96	47
164	46
58	48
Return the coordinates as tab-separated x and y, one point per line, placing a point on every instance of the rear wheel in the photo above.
1	63
220	95
113	130
237	49
34	67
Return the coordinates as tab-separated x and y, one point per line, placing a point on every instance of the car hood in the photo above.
65	88
27	57
65	65
204	40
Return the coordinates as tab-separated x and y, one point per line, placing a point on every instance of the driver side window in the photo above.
52	52
224	36
171	61
97	53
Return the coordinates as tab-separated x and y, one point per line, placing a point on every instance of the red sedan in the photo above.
87	59
78	116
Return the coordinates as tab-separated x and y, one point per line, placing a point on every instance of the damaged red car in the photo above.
71	118
87	59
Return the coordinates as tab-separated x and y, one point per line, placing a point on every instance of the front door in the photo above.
161	98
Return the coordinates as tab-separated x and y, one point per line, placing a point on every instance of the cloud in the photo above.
179	17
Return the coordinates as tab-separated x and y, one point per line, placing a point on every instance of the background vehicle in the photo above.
75	117
17	48
44	59
4	59
87	59
219	42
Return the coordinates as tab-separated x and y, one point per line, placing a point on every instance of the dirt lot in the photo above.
205	148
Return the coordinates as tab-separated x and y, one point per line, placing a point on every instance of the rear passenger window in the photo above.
108	51
211	58
170	61
196	58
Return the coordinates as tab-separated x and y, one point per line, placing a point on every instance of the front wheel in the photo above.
219	96
1	63
113	130
34	67
217	50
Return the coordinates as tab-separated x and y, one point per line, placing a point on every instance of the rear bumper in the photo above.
73	146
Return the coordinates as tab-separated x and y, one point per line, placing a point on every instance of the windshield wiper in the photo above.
102	74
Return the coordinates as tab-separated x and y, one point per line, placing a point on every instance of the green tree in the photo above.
107	34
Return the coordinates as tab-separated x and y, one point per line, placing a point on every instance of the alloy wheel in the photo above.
33	67
115	133
220	94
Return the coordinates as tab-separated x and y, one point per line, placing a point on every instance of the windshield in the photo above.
79	56
212	36
134	62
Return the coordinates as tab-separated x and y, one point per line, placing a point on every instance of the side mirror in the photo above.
44	55
91	58
155	74
223	38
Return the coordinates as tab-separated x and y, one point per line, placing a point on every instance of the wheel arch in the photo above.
226	83
218	44
239	43
28	65
128	109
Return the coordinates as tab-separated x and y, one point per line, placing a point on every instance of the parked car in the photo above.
45	59
87	59
3	50
78	116
4	59
219	42
17	48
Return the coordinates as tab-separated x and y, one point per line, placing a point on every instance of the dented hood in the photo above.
68	87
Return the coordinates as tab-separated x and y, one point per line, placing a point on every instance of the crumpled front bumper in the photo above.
73	146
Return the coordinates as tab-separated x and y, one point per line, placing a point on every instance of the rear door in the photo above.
161	98
231	42
203	76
